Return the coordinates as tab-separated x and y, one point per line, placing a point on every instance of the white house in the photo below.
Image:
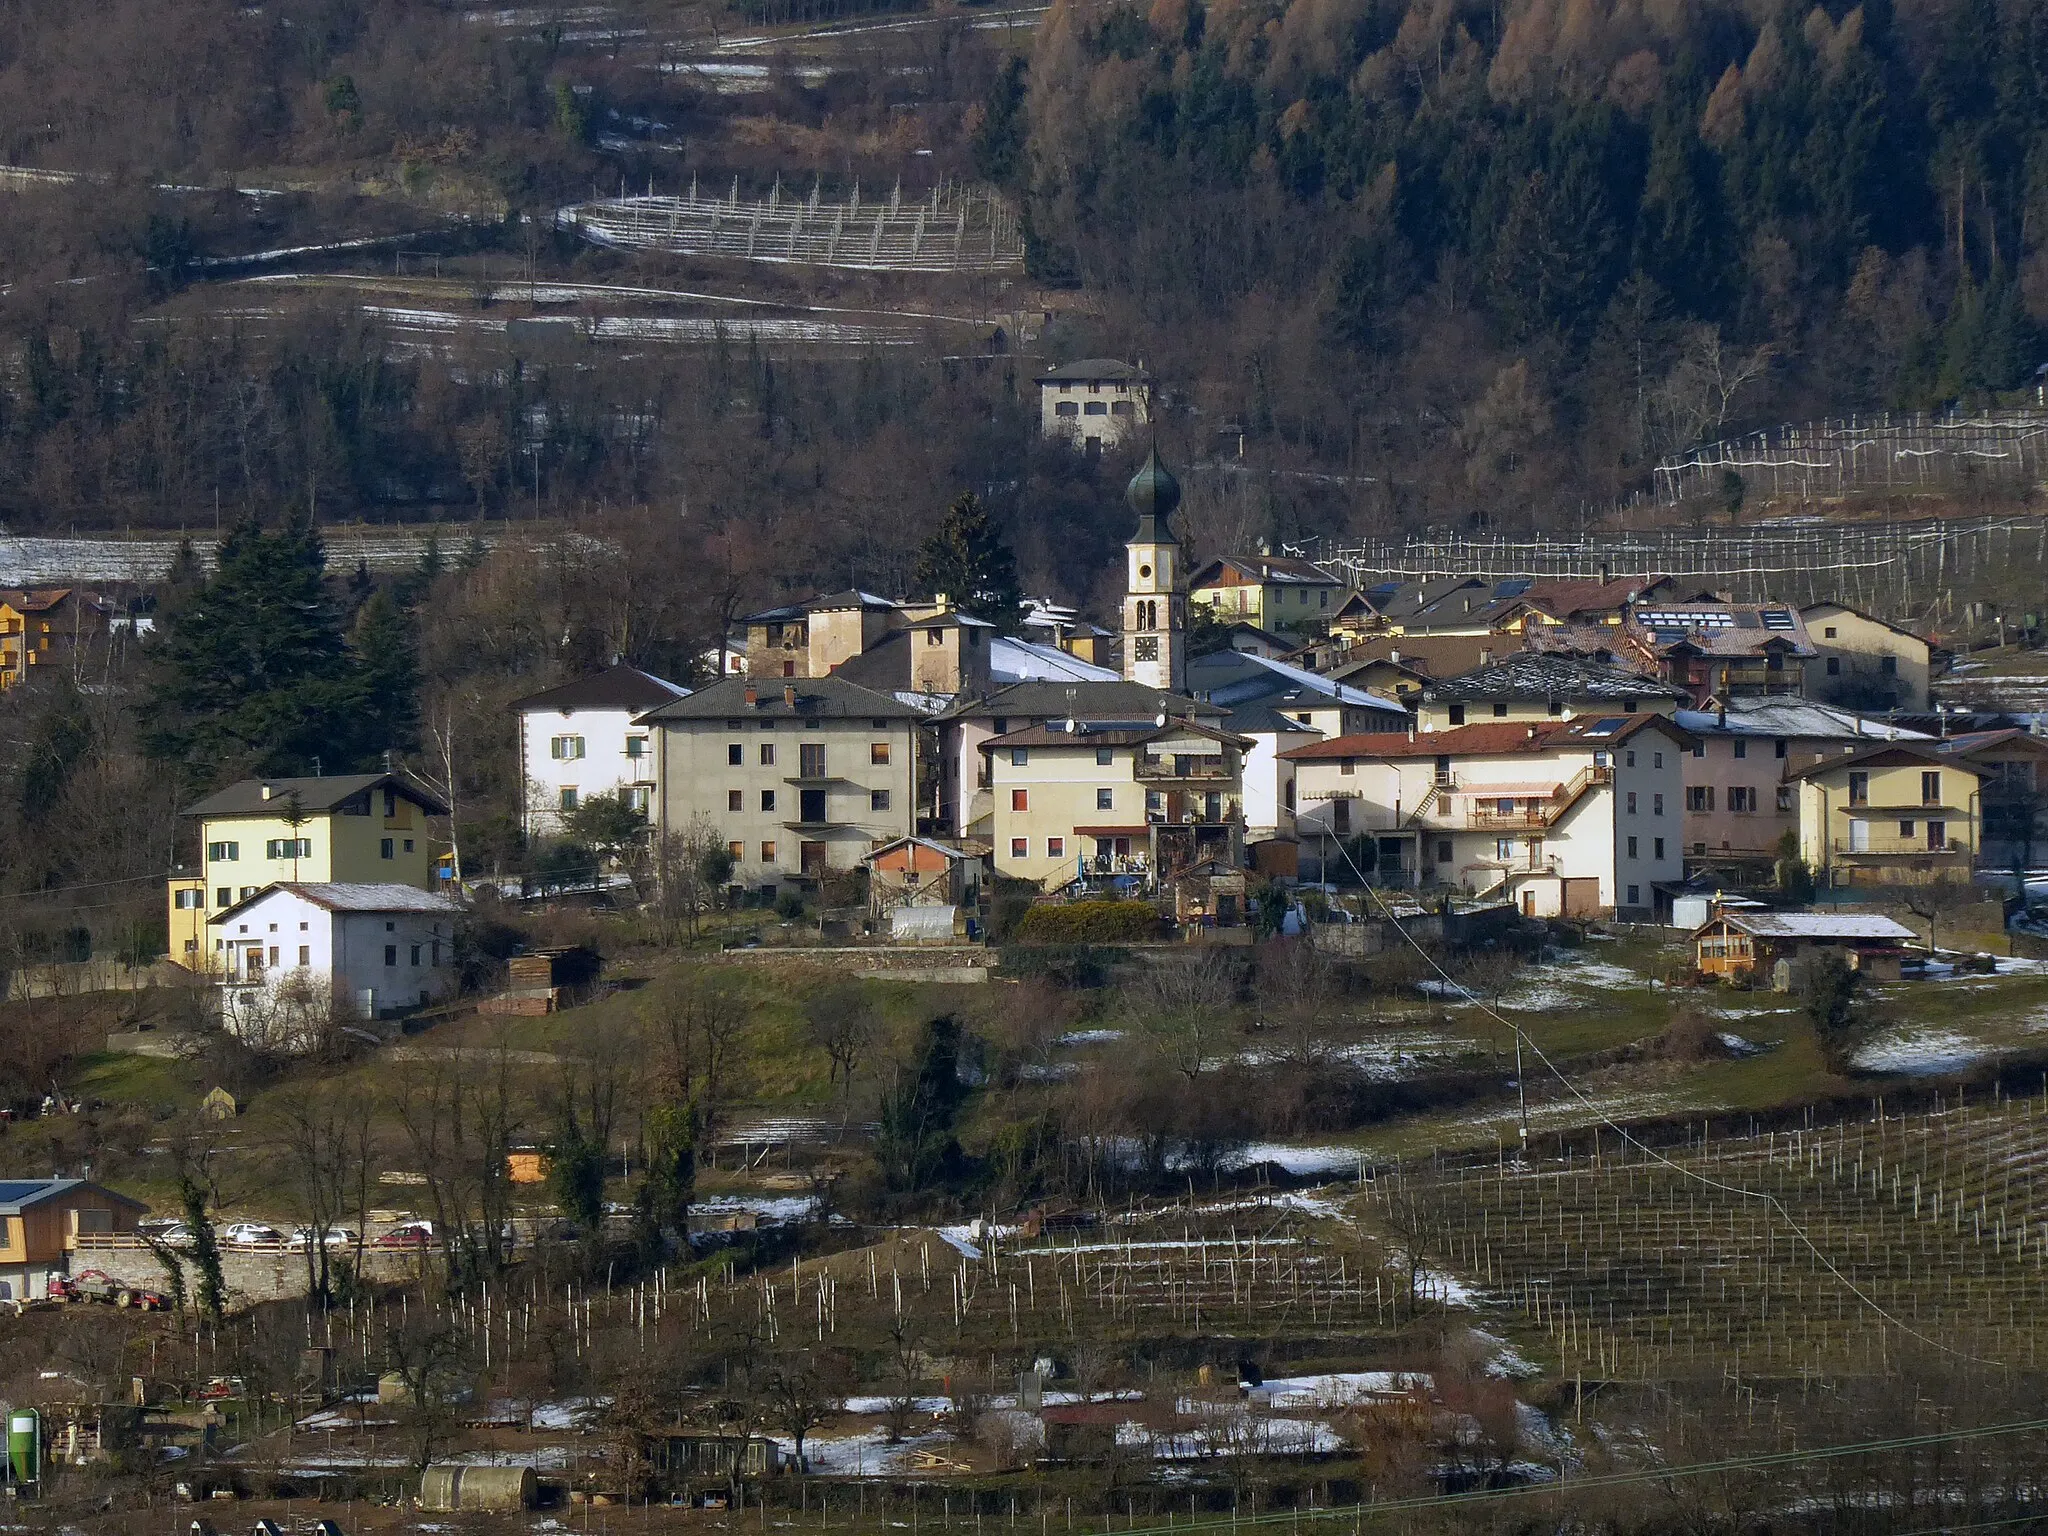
1571	818
1095	403
1269	780
293	957
579	740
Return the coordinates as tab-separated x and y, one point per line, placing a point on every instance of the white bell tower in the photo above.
1155	586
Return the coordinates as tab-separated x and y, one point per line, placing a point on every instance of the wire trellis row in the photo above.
1887	452
951	230
1901	569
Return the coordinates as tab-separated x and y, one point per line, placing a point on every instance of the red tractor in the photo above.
97	1285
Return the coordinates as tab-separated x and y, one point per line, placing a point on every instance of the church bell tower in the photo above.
1155	585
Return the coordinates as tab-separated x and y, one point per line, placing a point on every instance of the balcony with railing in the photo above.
1520	864
1185	767
1511	810
1900	847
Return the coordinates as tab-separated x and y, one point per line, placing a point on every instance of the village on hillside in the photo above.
942	1054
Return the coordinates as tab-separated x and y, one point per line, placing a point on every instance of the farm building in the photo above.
1739	945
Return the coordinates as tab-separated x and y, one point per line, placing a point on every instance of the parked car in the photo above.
251	1234
219	1387
410	1234
172	1234
337	1237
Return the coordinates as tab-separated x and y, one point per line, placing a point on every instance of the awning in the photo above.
1138	831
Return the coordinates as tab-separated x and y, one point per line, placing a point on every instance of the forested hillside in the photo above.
1508	249
1429	263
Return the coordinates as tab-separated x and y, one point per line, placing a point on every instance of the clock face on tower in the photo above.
1145	648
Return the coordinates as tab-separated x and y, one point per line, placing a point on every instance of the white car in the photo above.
337	1237
251	1234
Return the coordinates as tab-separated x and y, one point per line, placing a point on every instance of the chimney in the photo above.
1394	656
1532	733
267	791
789	695
1485	656
753	698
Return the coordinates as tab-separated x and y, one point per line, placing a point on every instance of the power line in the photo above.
1771	1201
83	885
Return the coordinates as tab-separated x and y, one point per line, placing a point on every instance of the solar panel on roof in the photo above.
1606	725
1709	618
1777	618
12	1190
1514	588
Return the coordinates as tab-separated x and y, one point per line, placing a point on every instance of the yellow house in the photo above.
1271	591
36	626
40	1224
1896	814
1075	800
341	828
1863	662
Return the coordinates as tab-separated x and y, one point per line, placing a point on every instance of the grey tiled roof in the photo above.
1531	675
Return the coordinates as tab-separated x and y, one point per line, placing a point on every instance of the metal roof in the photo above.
320	793
616	687
351	896
17	1195
1791	717
1817	925
1090	370
822	697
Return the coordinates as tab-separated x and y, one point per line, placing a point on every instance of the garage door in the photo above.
1582	896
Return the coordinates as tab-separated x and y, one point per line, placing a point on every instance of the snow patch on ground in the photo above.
1090	1037
1508	1363
864	1454
1339	1389
1920	1052
767	1207
1309	1202
882	1404
1435	1284
1302	1162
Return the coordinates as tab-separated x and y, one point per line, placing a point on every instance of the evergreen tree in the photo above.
998	139
360	585
671	1182
255	676
205	1248
386	681
915	1143
576	1173
969	562
1677	223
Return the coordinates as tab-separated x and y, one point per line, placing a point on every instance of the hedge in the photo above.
1090	922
